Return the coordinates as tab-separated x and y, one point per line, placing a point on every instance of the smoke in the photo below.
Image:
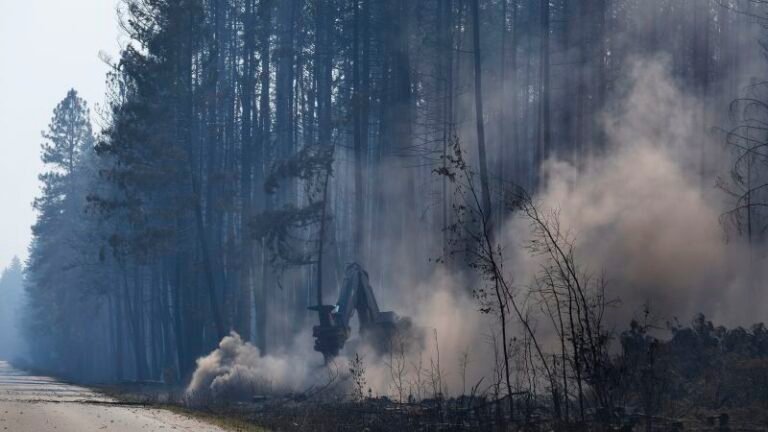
644	213
236	370
452	327
448	322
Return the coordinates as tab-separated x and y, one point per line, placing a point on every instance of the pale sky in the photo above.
46	48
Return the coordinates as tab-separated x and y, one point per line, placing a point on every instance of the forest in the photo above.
566	200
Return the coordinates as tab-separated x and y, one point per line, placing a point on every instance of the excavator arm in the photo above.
356	296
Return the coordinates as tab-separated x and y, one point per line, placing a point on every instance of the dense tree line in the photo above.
709	366
11	306
253	147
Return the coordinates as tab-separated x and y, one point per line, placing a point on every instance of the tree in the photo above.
11	303
485	256
748	181
210	98
60	247
479	115
284	231
69	135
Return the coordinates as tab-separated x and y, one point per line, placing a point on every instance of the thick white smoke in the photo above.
644	213
236	370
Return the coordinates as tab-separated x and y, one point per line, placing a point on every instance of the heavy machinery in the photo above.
379	329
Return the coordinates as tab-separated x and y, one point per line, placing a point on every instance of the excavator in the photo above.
377	328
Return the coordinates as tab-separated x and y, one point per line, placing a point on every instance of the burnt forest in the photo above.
385	215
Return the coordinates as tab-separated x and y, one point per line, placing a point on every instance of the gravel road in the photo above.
41	404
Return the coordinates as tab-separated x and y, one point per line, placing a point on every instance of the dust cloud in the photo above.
644	214
236	370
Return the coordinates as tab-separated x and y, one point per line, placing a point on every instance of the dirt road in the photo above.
41	404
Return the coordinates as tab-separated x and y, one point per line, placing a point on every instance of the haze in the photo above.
460	214
48	47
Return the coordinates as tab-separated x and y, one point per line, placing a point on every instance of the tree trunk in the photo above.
246	164
265	153
545	126
480	118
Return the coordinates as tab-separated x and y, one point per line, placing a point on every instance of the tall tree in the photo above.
479	113
11	303
59	247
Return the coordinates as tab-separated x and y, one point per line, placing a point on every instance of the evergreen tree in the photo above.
211	99
56	283
11	301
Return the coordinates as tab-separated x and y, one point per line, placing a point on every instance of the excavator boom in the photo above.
356	296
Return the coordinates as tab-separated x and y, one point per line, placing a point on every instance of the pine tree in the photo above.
59	248
11	301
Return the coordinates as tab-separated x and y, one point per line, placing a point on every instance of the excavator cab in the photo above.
377	328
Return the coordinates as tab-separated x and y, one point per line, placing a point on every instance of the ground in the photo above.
41	404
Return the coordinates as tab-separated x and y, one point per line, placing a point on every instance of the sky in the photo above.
46	48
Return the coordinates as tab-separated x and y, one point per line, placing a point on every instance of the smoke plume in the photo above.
236	370
645	213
